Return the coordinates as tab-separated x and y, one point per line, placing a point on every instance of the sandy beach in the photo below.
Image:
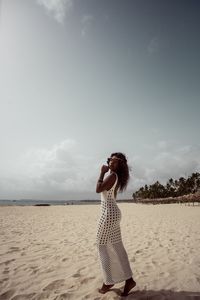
50	252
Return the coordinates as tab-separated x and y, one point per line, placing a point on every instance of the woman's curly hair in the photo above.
122	171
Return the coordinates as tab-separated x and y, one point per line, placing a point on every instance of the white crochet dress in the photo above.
113	257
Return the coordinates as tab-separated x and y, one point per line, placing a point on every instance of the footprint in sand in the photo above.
4	279
154	262
54	285
23	296
6	271
76	275
51	269
63	296
88	297
143	274
41	296
34	271
13	249
7	295
33	267
8	261
138	251
65	258
86	280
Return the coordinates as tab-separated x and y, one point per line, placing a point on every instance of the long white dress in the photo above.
112	254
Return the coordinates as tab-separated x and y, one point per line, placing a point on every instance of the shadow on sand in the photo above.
159	295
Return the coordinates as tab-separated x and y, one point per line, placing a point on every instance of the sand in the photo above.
50	252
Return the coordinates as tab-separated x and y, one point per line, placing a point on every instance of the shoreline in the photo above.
55	202
7	203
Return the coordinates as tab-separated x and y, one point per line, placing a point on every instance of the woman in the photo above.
114	260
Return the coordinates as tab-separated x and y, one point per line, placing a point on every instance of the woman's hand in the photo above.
104	169
105	184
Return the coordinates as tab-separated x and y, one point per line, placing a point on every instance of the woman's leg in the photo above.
130	283
106	269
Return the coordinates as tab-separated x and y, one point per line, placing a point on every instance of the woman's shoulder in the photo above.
114	174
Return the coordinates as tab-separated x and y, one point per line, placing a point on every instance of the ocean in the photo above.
31	202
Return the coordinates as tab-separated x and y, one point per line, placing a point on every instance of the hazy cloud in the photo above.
60	166
86	21
56	8
168	160
56	173
61	172
157	44
153	46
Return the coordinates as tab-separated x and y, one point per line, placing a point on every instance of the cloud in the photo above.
157	44
61	166
168	160
59	172
56	8
86	21
154	45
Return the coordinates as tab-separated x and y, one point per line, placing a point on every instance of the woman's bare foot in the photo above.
105	288
130	283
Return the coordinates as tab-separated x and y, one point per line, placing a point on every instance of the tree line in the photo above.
173	188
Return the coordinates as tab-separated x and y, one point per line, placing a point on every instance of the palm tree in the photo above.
173	188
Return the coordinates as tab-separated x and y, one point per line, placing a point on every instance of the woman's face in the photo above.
113	163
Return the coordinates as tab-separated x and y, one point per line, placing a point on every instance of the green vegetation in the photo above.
173	188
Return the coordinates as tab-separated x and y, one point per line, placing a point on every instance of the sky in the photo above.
81	79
